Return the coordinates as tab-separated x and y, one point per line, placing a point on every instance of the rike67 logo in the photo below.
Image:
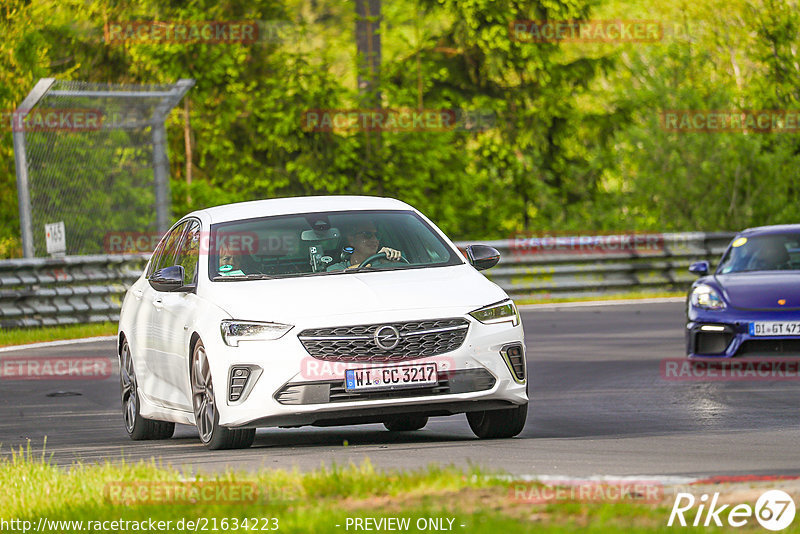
774	510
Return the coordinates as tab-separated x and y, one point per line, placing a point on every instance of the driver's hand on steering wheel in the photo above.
391	254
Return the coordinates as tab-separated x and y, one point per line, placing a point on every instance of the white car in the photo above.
321	311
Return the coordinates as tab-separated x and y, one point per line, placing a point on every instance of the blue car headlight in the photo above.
706	297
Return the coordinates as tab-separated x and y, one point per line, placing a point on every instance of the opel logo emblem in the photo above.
386	337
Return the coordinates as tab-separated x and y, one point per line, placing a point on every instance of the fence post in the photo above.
21	162
160	158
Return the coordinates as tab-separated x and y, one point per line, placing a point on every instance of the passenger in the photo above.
363	237
230	264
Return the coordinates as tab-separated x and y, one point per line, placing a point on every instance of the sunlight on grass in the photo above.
22	336
32	487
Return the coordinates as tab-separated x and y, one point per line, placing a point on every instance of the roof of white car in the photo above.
286	206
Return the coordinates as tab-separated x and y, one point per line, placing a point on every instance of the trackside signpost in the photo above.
55	239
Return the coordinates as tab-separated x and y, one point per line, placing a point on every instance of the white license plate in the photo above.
775	328
395	377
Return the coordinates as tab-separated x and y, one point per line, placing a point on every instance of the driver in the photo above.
363	237
771	256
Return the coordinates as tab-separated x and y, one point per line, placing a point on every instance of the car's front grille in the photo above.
770	347
322	392
418	339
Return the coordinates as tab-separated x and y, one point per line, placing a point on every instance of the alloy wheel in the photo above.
203	394
128	387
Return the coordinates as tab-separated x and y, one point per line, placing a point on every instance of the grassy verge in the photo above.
326	500
22	336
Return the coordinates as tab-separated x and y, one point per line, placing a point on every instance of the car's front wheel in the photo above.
206	416
137	426
505	423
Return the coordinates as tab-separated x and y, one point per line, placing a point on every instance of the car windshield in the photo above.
770	252
324	243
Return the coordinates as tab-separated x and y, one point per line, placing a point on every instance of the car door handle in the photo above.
158	303
138	293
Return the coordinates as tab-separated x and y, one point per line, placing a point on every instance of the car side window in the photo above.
170	252
151	267
189	252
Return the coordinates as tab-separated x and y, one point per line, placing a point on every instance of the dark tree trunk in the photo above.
368	46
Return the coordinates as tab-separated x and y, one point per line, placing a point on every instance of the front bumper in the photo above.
291	388
726	333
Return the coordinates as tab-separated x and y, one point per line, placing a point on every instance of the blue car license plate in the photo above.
775	328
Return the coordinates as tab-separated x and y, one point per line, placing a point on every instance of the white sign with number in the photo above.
55	238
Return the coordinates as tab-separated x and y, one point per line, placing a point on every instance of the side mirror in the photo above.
482	257
700	268
167	279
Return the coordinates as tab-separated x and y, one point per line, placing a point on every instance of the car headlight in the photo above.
704	296
234	331
503	312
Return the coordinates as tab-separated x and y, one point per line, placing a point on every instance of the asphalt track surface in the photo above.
600	406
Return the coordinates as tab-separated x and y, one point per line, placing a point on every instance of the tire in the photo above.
406	423
206	415
493	424
138	427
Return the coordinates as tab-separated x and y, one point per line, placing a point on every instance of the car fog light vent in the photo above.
514	356
238	382
712	343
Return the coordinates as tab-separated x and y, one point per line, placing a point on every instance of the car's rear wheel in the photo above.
492	424
405	423
206	416
137	426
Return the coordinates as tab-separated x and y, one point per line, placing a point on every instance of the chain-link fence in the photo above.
93	156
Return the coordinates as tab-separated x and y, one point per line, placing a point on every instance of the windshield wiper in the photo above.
235	277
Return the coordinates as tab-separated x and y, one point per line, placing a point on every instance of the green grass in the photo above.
22	336
32	488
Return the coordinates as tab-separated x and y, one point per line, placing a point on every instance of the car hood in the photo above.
761	290
364	296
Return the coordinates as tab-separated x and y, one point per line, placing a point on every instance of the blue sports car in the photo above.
751	304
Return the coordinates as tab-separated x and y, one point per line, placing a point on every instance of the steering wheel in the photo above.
374	257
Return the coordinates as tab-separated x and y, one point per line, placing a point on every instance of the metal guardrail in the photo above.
86	289
570	266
